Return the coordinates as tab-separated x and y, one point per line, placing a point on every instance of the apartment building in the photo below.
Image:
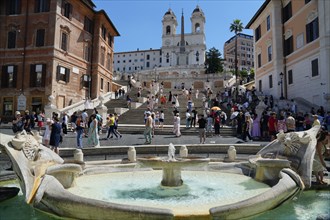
62	48
139	60
292	49
245	55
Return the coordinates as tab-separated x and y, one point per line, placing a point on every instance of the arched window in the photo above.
197	27
168	30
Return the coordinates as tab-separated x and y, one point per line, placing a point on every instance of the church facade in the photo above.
178	49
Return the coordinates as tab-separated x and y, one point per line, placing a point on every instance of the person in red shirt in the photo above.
272	126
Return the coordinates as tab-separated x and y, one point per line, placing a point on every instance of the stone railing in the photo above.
86	104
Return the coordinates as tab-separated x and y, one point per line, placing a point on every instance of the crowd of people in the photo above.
209	118
272	120
56	127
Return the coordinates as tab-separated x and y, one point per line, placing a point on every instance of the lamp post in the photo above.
281	82
236	68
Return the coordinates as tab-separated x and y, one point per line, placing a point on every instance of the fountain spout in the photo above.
171	152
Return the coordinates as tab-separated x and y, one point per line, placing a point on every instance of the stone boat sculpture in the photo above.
45	177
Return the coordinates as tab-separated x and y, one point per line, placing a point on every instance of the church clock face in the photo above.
167	42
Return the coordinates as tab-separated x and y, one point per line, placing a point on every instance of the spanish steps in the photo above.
135	116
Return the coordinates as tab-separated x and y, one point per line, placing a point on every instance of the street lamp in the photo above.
281	82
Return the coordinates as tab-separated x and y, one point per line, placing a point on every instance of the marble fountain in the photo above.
163	187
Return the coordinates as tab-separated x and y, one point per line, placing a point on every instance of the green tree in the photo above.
252	74
243	73
213	61
248	75
237	27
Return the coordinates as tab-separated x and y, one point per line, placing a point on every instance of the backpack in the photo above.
99	119
32	120
18	126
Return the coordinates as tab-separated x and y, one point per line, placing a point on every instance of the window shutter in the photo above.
43	79
308	30
40	39
19	6
85	24
67	75
36	5
11	39
62	7
47	7
4	77
92	27
70	11
81	81
15	77
32	75
8	7
58	73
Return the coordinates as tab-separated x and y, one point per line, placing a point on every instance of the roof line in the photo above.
263	6
107	17
239	34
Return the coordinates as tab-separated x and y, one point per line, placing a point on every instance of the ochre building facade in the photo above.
62	48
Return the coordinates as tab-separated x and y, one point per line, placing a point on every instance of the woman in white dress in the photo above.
176	125
93	134
197	93
46	136
175	101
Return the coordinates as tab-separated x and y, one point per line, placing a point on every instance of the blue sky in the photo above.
139	22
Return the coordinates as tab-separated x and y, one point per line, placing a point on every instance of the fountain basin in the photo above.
127	195
201	191
53	197
172	168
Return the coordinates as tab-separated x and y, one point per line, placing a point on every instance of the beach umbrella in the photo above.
215	108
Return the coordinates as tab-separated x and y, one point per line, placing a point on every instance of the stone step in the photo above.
167	130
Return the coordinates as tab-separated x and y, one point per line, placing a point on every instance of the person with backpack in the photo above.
55	135
80	126
40	120
116	125
216	125
202	128
73	120
18	122
99	121
194	114
33	118
27	120
65	121
111	126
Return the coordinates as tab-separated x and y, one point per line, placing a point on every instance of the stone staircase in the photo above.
132	121
136	116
